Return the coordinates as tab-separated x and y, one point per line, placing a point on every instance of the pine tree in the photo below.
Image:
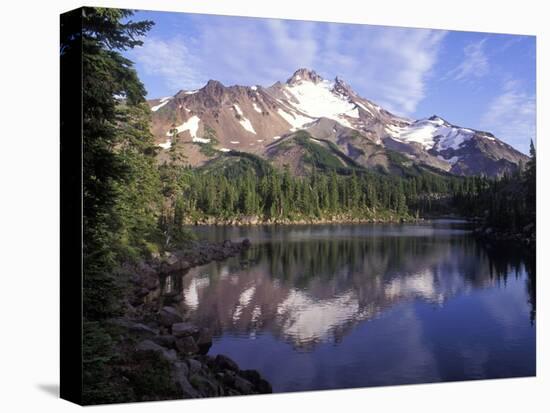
106	75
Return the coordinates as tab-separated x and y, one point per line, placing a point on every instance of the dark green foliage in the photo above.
243	185
119	174
150	377
113	372
100	382
121	188
105	27
208	148
530	180
317	155
506	204
234	164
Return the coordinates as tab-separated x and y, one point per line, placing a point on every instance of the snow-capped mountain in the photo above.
260	120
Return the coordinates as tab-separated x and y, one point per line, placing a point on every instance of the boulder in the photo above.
206	386
261	386
167	341
133	327
184	329
225	363
242	385
194	365
174	265
181	373
186	345
149	345
168	316
204	341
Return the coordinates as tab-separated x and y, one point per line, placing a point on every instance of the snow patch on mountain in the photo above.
162	102
318	100
191	125
295	120
364	108
451	160
245	123
256	107
431	133
238	110
452	137
167	144
354	113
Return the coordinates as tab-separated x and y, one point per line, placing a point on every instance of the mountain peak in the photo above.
437	119
214	88
304	74
342	87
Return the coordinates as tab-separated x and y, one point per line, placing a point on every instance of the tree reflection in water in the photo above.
311	289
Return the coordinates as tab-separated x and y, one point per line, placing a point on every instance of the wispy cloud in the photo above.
389	65
474	65
512	116
172	61
395	65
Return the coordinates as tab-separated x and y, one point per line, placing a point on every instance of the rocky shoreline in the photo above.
155	330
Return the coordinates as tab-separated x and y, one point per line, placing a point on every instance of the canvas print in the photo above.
275	206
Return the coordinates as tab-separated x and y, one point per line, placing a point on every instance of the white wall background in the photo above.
29	205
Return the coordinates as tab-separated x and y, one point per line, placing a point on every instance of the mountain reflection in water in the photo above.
303	288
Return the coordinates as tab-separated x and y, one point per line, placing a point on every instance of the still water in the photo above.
325	307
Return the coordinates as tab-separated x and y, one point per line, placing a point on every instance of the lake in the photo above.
338	306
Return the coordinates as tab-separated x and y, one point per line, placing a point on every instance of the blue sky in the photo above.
478	80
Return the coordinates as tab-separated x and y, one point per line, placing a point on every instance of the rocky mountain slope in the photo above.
270	122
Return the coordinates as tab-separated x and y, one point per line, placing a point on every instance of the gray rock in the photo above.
261	386
225	363
167	341
186	345
194	366
149	345
204	340
150	282
242	385
181	373
206	386
134	327
168	316
184	329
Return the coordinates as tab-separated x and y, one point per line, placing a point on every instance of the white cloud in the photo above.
388	65
170	60
511	116
475	63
